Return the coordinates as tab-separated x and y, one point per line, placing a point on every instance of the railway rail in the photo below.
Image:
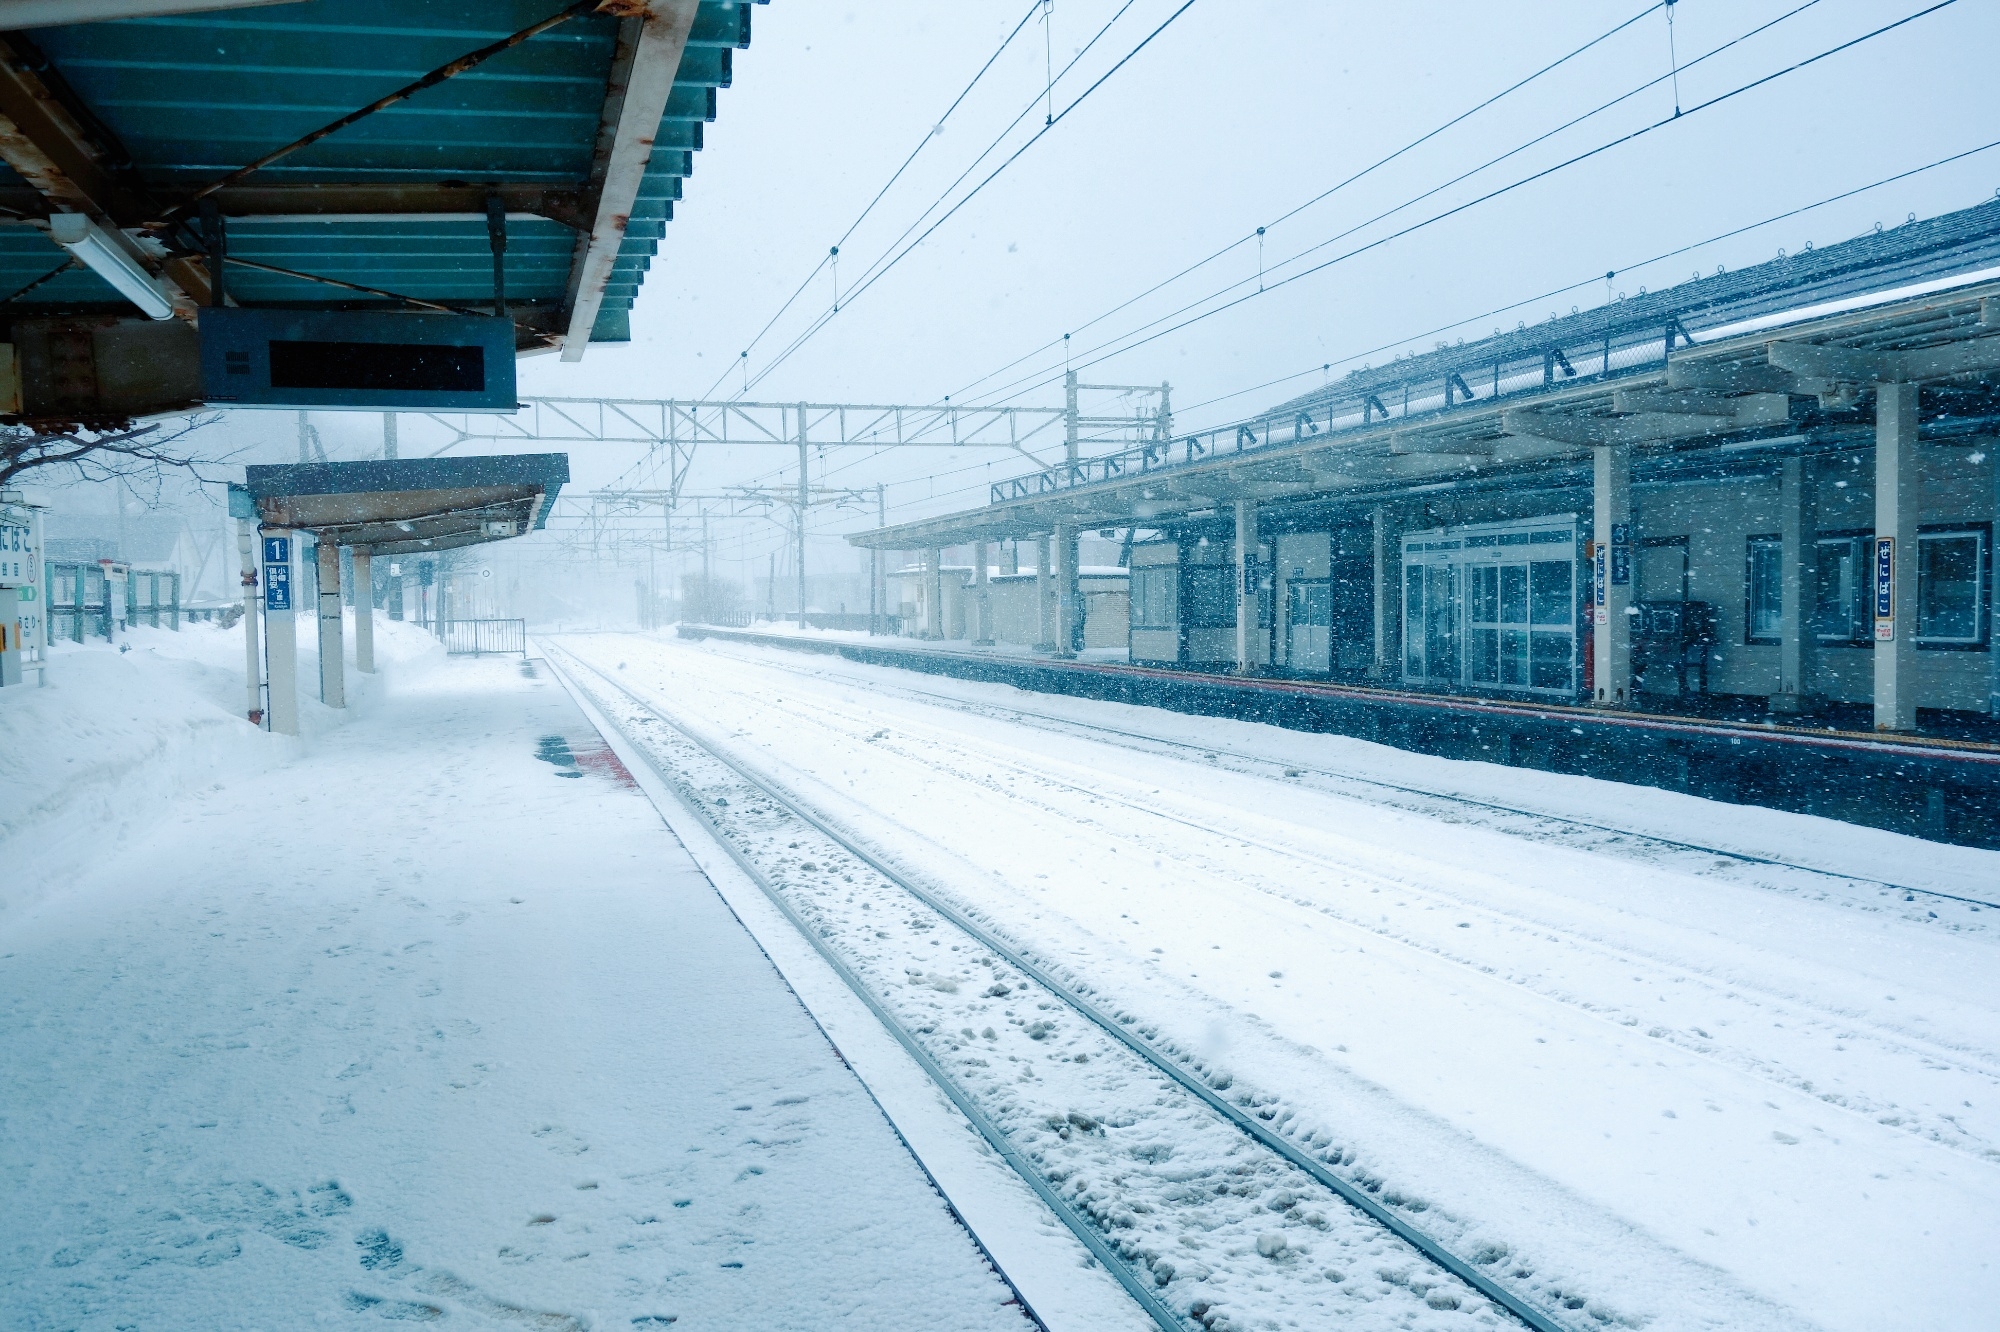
1515	819
1164	1177
952	756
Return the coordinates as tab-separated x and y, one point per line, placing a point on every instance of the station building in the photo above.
1765	492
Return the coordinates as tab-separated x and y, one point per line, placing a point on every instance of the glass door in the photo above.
1309	625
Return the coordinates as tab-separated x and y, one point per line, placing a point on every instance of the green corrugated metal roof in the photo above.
188	99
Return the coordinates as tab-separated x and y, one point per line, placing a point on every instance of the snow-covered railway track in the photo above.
1582	833
1203	1204
997	771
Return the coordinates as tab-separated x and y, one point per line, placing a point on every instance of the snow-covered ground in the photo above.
1690	1090
423	1017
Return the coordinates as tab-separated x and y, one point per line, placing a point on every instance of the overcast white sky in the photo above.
1237	113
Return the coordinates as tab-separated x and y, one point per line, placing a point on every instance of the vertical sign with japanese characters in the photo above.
1885	589
277	573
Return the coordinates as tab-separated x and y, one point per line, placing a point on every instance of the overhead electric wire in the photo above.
1387	213
881	268
1634	266
937	126
1490	195
1412	145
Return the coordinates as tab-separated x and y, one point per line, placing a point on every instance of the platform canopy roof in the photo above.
128	110
1718	371
408	506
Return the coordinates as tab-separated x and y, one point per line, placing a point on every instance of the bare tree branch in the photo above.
103	455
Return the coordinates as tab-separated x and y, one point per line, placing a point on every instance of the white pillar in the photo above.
1895	521
934	593
364	609
1246	594
281	644
1612	597
1069	599
982	597
1385	587
1045	597
253	605
1799	551
332	648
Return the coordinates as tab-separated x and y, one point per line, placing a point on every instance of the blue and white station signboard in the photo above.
277	573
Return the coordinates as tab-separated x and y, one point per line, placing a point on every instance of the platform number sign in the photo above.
1885	588
1621	554
277	573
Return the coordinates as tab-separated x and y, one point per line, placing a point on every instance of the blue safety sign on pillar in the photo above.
1885	589
1599	598
277	573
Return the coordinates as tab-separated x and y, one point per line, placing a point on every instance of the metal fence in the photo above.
472	638
80	600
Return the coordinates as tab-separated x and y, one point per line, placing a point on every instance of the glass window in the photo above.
1840	602
1949	565
1413	621
1551	665
1514	593
1211	591
1153	596
1767	589
1549	595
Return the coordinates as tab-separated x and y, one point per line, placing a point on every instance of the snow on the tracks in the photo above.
426	1018
1694	1091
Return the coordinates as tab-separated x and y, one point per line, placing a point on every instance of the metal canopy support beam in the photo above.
1850	365
1799	551
1246	594
982	597
364	610
1611	667
49	148
1045	598
1069	609
332	650
642	78
934	621
1384	588
1896	487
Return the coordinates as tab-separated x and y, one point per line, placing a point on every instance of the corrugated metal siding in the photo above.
191	98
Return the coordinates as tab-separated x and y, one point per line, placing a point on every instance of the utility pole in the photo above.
804	501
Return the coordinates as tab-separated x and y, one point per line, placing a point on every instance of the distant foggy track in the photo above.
1140	741
749	834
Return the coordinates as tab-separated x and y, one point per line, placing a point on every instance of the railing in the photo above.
1431	390
473	638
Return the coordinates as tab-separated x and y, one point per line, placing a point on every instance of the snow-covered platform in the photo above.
427	1017
1943	788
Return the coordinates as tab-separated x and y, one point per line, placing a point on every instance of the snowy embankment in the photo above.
1695	1090
117	737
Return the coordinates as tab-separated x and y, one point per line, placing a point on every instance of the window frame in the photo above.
1168	576
1861	627
1752	544
1983	596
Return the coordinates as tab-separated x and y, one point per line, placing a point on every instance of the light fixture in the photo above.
110	261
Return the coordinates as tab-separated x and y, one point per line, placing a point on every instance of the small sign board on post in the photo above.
1885	589
1621	554
277	573
1599	580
